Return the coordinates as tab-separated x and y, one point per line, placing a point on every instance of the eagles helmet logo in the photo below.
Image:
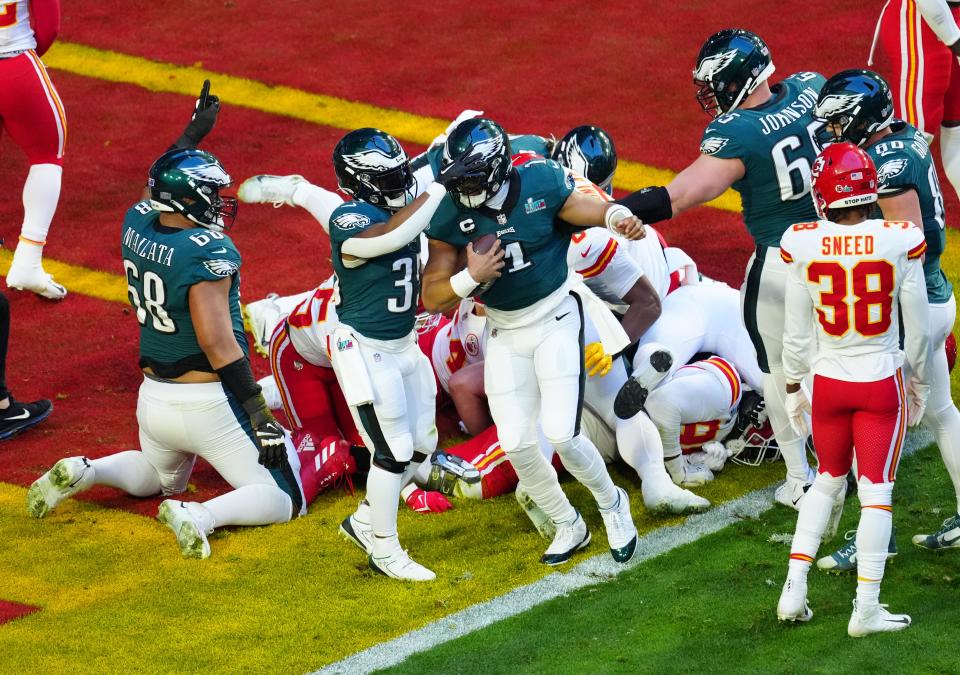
575	159
488	147
222	268
837	104
713	145
348	221
210	173
374	160
890	169
712	65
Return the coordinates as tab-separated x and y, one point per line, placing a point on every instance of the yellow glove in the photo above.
596	360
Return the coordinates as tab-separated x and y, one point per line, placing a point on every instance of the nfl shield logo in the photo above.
502	219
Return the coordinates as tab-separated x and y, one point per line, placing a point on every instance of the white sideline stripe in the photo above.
592	571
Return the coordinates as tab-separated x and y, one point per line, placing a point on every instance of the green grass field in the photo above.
710	606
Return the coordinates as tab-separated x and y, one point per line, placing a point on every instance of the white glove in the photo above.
465	115
917	394
798	407
715	455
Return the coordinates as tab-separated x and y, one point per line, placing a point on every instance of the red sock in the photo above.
323	465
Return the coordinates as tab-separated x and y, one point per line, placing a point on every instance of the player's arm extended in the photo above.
46	23
939	17
581	210
643	309
902	207
916	319
403	227
705	179
470	399
798	328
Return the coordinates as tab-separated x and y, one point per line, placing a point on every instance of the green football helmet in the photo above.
372	166
855	104
731	64
487	139
188	181
589	151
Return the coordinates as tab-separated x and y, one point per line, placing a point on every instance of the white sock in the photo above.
41	192
539	479
383	495
128	471
319	202
950	152
873	539
584	462
640	446
792	447
812	522
250	505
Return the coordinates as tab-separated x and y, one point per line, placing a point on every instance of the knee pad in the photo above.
874	494
565	447
828	485
395	454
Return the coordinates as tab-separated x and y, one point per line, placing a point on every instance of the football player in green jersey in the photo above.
761	144
386	380
198	396
534	369
857	107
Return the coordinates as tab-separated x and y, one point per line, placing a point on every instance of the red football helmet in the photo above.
843	175
951	348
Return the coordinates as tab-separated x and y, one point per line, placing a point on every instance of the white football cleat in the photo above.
65	479
186	521
621	532
793	602
24	277
568	540
662	496
357	528
263	189
546	527
790	493
875	619
399	565
260	318
687	474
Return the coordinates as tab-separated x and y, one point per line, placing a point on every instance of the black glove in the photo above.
267	432
201	122
462	167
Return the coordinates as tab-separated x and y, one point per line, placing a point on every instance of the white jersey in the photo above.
723	413
460	342
311	324
16	33
855	278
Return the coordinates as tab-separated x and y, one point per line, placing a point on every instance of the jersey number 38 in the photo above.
869	284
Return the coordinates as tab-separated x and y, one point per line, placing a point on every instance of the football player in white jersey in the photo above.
32	113
850	277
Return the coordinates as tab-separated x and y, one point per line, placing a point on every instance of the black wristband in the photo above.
651	204
237	378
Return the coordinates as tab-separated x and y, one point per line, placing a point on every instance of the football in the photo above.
483	243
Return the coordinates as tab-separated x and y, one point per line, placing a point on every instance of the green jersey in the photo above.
378	298
535	248
529	143
775	142
904	163
161	264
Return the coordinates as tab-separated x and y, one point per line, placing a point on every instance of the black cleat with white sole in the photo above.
633	394
19	416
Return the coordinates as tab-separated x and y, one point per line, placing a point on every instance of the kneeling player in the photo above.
854	273
198	396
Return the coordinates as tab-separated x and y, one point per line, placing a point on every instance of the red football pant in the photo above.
30	109
869	418
923	73
483	451
311	396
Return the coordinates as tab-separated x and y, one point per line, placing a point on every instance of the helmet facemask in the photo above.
190	185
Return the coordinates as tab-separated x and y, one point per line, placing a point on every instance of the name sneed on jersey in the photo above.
848	245
804	103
